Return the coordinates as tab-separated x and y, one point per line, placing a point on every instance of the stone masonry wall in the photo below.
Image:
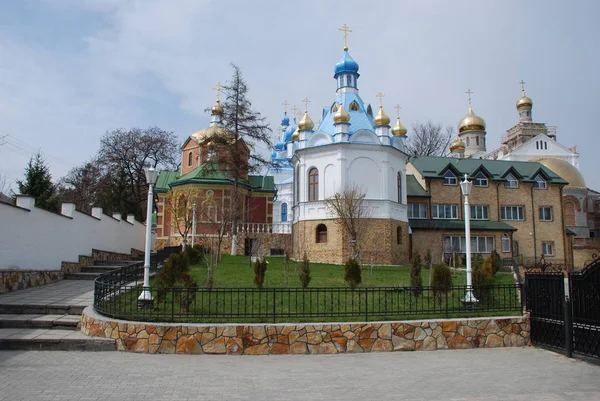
263	339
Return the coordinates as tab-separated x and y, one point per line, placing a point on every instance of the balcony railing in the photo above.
266	228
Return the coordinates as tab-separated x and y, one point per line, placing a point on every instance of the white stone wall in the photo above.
35	239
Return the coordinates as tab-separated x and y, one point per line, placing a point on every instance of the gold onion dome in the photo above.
341	115
457	144
399	129
205	134
565	170
295	135
524	101
381	118
305	123
217	108
471	122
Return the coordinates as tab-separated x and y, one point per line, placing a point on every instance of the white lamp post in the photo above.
193	224
465	186
145	300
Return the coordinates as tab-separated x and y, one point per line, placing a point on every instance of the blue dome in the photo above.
285	120
273	155
279	146
289	132
346	64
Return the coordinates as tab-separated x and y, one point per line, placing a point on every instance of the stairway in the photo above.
93	271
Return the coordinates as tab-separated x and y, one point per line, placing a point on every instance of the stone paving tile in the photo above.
27	334
5	333
481	374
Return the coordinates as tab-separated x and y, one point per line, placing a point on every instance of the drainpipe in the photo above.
568	262
533	221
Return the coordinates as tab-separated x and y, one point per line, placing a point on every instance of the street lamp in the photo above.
465	186
193	224
145	300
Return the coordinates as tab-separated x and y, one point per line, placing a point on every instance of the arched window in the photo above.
348	80
505	243
545	145
284	212
354	106
190	159
398	235
321	234
399	179
468	141
313	185
477	140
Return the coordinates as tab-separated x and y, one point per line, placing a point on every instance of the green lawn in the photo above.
234	272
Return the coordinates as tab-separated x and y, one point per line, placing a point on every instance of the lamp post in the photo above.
145	300
465	186
193	224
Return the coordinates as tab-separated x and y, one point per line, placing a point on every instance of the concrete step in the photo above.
81	276
99	269
67	322
116	263
52	340
41	309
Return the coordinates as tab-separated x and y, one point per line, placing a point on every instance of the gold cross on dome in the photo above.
397	107
345	29
522	85
469	92
219	88
306	102
380	96
285	105
295	110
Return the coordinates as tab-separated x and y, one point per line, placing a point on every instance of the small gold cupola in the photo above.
381	118
399	129
305	123
457	145
217	109
341	115
524	101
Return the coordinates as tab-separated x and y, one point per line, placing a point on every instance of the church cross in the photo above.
469	92
380	96
397	107
295	110
306	102
345	29
285	105
522	85
219	88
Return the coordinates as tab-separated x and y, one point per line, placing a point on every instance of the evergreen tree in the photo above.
38	183
416	281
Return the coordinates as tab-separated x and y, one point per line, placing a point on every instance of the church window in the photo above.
321	234
537	144
398	235
511	182
449	178
348	80
334	107
284	212
505	243
399	179
540	183
370	110
477	140
354	106
481	180
340	81
545	145
190	157
313	185
468	141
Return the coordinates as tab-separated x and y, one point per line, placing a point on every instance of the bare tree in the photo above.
179	203
351	211
83	186
4	185
429	139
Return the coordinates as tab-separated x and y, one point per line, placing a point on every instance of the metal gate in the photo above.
562	322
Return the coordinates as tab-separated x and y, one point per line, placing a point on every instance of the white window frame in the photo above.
515	211
479	244
511	182
540	182
421	210
450	178
444	208
547	248
546	213
480	212
505	243
479	180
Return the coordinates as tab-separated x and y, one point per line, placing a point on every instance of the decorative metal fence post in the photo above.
568	327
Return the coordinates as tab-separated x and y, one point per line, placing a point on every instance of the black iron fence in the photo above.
117	298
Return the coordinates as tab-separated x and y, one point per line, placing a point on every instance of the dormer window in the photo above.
481	180
540	182
511	182
354	106
449	178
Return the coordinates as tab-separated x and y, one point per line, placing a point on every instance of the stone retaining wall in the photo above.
263	339
21	279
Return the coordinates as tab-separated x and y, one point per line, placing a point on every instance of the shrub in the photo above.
441	281
496	261
173	270
416	281
305	272
186	297
194	254
260	268
352	273
483	277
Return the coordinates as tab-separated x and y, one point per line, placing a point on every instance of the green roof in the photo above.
459	225
414	189
496	170
202	175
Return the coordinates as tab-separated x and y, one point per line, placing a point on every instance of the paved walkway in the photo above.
482	374
79	293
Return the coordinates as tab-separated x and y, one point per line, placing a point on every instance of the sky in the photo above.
71	70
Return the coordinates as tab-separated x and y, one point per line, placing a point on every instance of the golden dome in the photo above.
341	115
471	122
457	144
305	123
524	101
217	108
295	135
205	134
565	170
399	129
381	118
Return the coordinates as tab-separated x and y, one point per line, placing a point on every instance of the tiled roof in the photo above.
459	225
413	188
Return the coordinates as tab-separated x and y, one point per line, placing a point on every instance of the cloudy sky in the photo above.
70	70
